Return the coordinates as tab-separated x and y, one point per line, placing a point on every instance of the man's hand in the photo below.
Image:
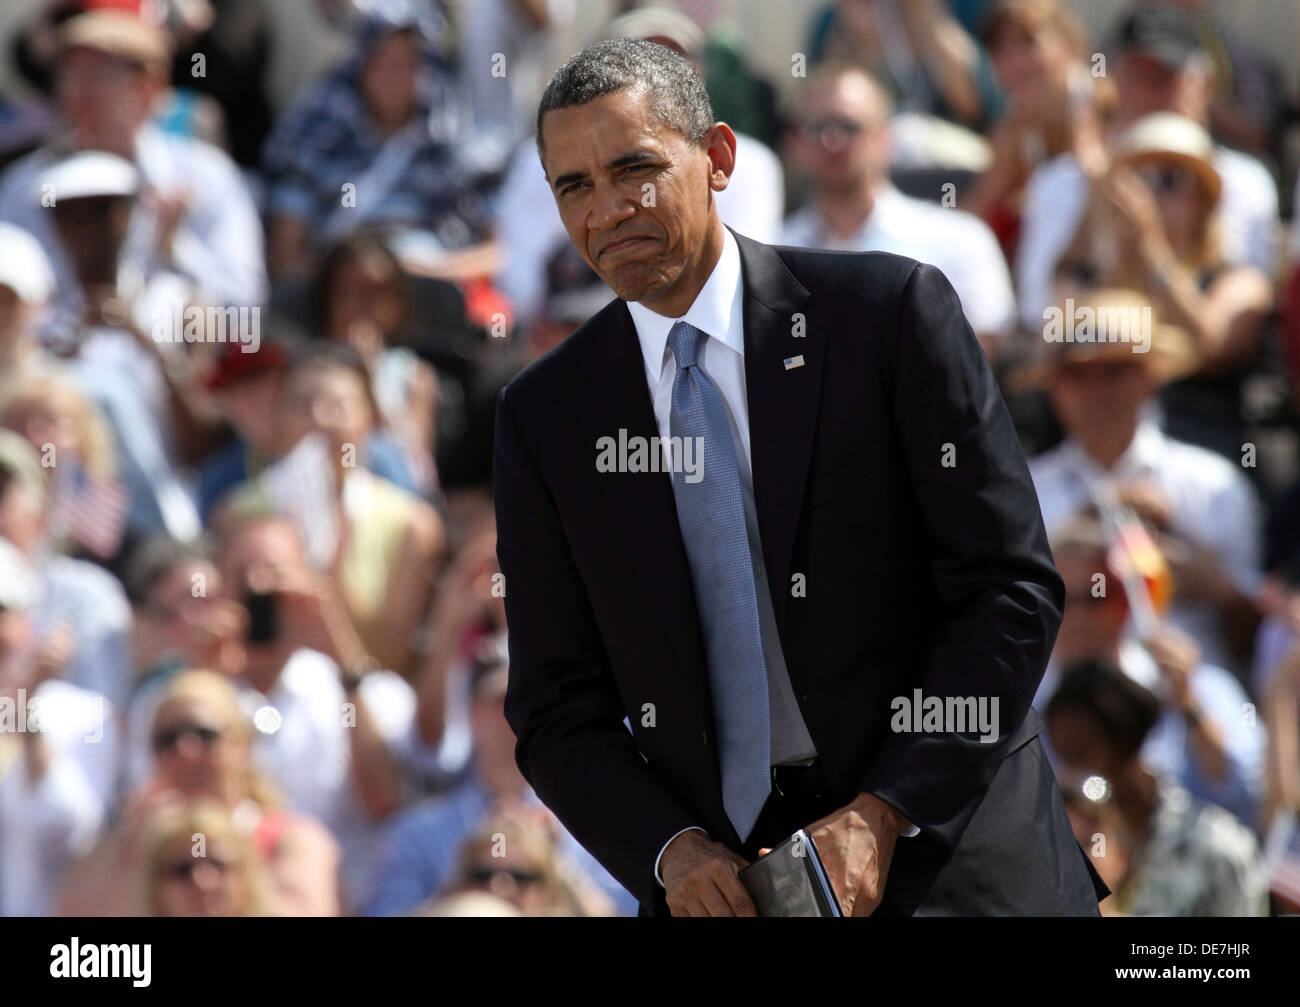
856	845
700	878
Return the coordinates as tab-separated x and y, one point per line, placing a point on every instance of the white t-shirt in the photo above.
1212	505
44	826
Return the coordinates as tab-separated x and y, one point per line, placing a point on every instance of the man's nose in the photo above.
610	206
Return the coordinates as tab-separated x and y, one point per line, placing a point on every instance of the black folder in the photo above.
790	880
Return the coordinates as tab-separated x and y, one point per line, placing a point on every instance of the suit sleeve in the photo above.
562	701
988	556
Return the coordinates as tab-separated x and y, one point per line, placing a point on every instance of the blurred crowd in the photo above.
252	627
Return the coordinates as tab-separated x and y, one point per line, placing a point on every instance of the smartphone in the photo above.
263	617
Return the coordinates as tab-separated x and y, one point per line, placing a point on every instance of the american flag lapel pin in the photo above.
792	362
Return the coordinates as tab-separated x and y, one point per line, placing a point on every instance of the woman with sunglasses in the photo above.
202	750
221	875
1153	226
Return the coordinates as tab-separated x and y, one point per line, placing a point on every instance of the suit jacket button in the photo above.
705	738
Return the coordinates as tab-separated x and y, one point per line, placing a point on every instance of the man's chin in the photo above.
636	283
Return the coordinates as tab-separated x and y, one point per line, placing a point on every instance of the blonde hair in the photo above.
209	821
538	845
215	692
98	452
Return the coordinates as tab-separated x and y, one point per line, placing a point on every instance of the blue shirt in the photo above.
419	853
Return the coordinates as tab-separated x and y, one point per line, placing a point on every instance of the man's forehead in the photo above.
605	127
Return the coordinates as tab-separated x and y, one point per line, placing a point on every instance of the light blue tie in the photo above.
711	512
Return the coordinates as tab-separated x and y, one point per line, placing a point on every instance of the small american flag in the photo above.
90	511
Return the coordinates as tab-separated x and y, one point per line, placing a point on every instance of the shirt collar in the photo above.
1142	456
717	310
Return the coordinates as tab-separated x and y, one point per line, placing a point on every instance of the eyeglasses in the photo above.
168	738
485	875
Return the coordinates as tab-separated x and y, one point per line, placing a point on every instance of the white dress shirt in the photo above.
1211	504
718	311
958	243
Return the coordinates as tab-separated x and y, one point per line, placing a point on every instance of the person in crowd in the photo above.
201	740
79	603
26	286
1249	99
1158	64
420	848
841	142
388	542
922	56
513	856
1165	852
145	385
87	503
180	618
1201	507
1153	226
1039	52
337	735
245	388
1207	736
1280	698
385	139
221	875
363	300
195	217
529	226
56	740
513	35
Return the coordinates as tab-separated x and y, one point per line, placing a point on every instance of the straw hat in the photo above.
1107	324
122	34
1164	136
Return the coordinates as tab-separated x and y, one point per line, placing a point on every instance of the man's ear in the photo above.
720	145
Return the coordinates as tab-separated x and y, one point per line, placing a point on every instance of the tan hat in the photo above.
1105	325
120	34
1165	136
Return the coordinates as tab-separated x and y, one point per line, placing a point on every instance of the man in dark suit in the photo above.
750	515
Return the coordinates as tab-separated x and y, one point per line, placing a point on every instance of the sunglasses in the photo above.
1167	180
485	875
168	738
833	129
183	870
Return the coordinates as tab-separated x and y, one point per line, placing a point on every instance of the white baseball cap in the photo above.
90	173
24	267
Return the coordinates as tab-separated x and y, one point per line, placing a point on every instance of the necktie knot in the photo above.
686	340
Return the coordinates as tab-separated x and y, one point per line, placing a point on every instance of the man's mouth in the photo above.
622	245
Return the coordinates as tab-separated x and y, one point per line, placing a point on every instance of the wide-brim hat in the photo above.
122	34
1104	325
1164	136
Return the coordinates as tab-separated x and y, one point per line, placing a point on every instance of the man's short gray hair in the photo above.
677	94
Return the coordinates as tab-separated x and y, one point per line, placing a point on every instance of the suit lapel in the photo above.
641	503
782	400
